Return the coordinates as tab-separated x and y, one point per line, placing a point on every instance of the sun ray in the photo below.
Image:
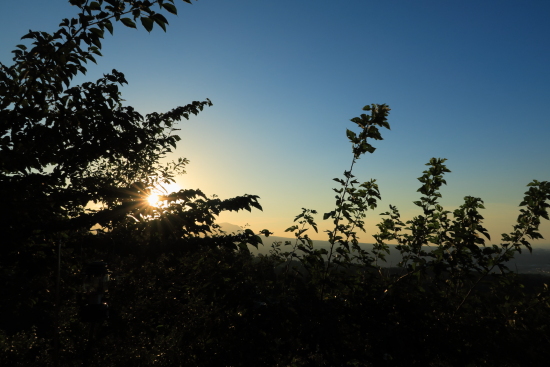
154	199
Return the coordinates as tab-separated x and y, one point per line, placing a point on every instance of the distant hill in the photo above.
534	263
537	262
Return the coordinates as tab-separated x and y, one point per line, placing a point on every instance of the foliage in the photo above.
185	293
452	297
73	158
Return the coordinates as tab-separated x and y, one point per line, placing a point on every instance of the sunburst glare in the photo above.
155	198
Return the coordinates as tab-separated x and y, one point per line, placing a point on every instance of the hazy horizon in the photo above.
363	237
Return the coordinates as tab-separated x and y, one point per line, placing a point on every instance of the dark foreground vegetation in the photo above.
185	294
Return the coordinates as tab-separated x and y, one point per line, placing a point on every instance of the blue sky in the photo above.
466	80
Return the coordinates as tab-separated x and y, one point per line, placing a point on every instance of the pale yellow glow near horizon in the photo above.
499	218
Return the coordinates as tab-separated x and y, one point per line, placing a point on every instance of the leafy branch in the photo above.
350	202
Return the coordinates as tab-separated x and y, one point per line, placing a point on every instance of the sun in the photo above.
154	199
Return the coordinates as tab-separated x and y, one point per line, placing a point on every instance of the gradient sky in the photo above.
466	80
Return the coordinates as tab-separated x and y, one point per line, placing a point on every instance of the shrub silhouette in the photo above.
185	293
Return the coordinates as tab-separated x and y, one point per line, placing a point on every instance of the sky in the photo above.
466	80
